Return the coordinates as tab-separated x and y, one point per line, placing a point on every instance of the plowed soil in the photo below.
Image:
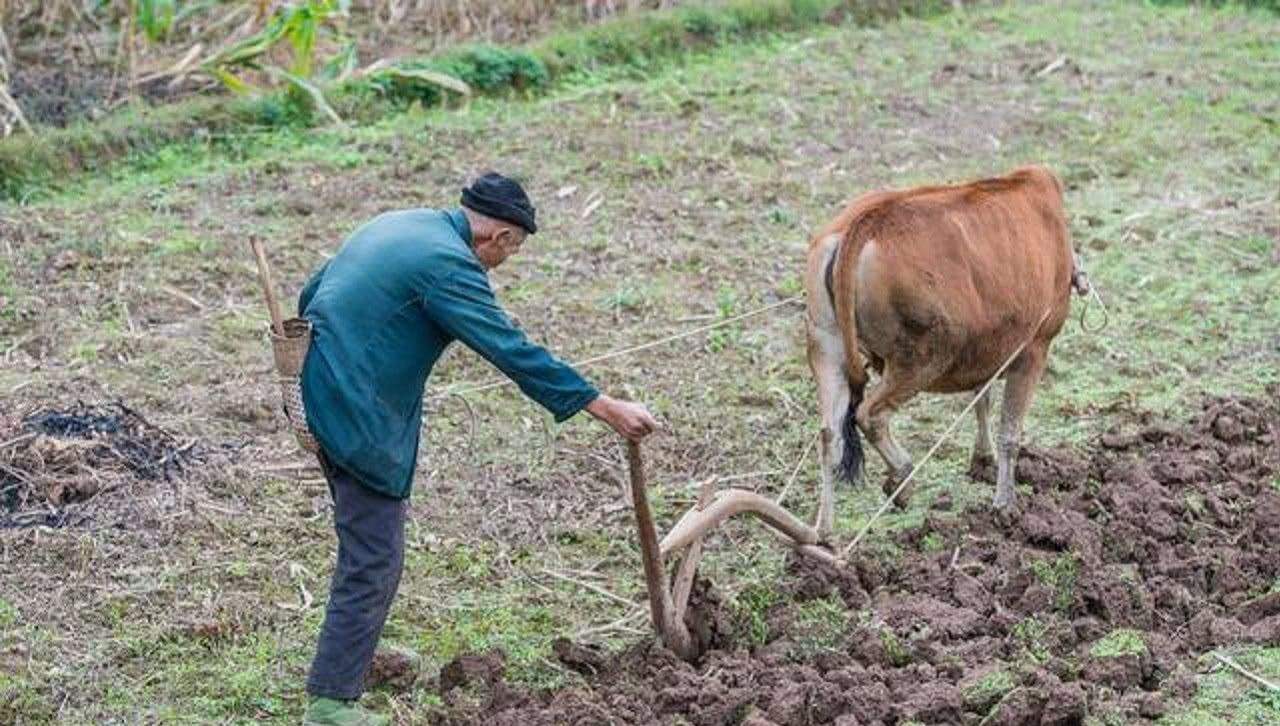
1124	565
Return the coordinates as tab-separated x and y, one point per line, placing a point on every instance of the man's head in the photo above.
501	216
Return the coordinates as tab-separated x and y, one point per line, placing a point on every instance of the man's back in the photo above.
374	342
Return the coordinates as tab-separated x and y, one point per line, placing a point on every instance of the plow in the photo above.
669	598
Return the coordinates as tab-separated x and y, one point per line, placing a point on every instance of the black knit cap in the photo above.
497	196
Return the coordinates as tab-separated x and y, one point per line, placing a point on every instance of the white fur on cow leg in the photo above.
827	497
827	359
1018	390
981	462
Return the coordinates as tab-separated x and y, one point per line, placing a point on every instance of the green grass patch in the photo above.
819	626
639	42
1117	643
1030	634
1059	573
523	633
750	607
899	655
987	691
1226	698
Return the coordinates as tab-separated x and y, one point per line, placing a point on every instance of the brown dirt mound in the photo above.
1124	565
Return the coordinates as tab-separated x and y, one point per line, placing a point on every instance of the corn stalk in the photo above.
300	29
11	115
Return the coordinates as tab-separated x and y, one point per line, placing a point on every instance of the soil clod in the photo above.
1127	562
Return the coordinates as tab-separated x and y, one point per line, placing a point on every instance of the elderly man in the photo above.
383	309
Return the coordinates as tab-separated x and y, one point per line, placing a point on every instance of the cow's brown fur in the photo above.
934	288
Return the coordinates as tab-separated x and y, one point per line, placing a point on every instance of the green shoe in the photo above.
332	712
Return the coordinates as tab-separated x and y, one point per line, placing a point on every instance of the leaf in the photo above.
340	67
155	17
301	27
249	49
436	78
309	88
234	83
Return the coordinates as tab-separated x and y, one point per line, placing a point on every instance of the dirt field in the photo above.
1151	488
1125	565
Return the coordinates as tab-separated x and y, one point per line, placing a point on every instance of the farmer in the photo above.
398	292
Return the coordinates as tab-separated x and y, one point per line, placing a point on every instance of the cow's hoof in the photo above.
903	497
1006	510
982	468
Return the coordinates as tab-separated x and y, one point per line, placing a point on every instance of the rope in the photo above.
1106	316
945	435
499	382
796	471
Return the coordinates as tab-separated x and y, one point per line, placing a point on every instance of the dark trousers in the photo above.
370	557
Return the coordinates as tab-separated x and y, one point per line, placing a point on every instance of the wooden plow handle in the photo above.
662	608
667	608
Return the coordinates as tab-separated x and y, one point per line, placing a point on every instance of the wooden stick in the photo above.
587	585
1240	669
268	289
689	565
672	631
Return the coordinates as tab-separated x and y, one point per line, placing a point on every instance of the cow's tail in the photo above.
852	462
841	277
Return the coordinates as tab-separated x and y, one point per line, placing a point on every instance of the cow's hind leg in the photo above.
1018	390
981	463
827	359
893	390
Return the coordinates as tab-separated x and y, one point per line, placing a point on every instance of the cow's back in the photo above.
960	274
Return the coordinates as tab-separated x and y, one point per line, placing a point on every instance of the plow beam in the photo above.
726	504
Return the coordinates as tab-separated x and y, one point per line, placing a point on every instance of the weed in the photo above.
898	654
8	293
819	626
987	691
1119	643
1030	634
623	299
8	614
1059	573
751	607
932	542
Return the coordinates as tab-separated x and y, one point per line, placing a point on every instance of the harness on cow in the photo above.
1079	276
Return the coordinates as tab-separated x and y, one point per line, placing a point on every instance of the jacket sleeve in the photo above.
309	290
463	304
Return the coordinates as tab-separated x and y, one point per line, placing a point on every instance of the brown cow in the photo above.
934	288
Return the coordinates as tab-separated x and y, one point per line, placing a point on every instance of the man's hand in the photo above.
632	420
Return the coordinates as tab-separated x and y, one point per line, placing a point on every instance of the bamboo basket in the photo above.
290	352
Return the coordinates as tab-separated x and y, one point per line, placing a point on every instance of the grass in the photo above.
1119	643
986	692
711	173
1225	697
632	44
1059	573
819	626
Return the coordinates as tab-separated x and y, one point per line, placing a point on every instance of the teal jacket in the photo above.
398	292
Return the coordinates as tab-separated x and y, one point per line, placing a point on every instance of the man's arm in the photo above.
464	305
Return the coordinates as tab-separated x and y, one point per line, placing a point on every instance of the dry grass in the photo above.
686	198
68	61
